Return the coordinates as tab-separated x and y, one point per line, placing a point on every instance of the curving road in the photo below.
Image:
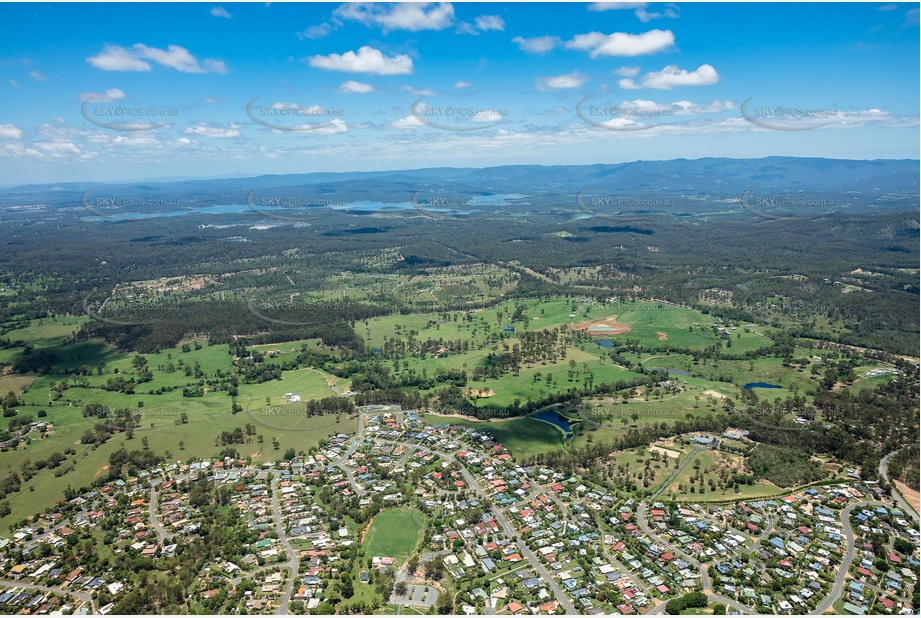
154	521
838	586
768	527
896	494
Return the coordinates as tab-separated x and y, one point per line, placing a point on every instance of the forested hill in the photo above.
878	182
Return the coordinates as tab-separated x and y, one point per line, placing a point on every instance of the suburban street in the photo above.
838	587
507	528
153	506
293	562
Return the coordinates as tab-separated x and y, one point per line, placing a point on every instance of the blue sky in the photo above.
99	92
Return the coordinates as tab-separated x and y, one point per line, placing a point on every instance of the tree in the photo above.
400	589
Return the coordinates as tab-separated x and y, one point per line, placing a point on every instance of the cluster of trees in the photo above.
690	600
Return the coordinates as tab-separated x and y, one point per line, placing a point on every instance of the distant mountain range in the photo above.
879	183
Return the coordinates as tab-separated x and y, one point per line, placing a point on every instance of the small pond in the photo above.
752	385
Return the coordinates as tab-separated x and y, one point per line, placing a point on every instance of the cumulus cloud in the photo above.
561	82
208	129
483	23
115	58
366	60
398	16
538	44
640	9
10	131
462	84
353	87
489	22
598	44
673	77
219	11
409	122
112	94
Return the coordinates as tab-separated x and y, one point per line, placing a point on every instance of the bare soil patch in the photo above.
662	336
664	451
602	326
911	495
717	394
480	393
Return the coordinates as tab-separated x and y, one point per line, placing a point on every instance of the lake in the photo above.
555	418
752	385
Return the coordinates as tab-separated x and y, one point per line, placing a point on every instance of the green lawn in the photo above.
394	533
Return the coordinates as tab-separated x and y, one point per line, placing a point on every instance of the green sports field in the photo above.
394	533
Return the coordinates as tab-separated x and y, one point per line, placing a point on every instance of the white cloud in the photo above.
208	129
115	58
462	84
398	16
561	82
538	44
409	122
36	76
623	44
179	58
112	94
219	11
419	92
614	6
627	71
639	9
10	131
353	87
316	32
333	127
490	22
58	148
673	77
646	16
367	60
211	100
